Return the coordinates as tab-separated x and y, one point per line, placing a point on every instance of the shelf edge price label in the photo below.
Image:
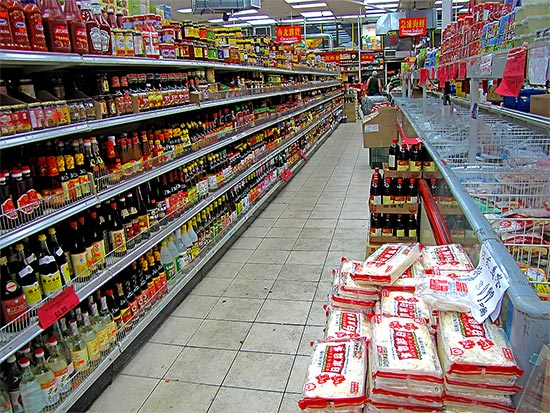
57	307
286	175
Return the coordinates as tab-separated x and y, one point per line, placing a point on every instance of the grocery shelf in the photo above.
178	283
20	338
43	222
48	61
96	125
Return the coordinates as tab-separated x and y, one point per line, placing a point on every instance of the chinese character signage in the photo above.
367	57
412	26
288	34
332	57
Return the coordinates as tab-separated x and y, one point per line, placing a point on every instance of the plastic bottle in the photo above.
13	377
46	378
6	37
167	260
56	28
182	251
57	362
18	24
5	402
188	242
77	28
93	31
194	239
31	393
175	254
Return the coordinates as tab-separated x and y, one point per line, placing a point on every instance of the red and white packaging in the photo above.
404	304
453	402
474	388
469	348
444	293
446	257
345	301
407	280
387	263
403	348
343	324
374	407
336	375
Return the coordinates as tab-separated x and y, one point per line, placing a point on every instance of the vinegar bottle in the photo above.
77	28
35	26
31	392
55	24
392	157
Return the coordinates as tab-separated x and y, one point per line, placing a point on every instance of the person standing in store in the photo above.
374	85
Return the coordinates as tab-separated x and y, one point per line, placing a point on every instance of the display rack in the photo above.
524	314
326	105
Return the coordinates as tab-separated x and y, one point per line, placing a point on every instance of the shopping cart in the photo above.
368	102
516	202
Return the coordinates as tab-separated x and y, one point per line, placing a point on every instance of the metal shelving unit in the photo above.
40	61
178	283
12	342
9	141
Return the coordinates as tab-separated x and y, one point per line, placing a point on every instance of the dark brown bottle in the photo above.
77	28
399	229
117	235
375	225
400	193
403	158
387	192
387	226
392	157
125	310
412	226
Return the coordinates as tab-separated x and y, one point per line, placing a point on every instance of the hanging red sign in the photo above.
367	58
412	26
332	57
288	34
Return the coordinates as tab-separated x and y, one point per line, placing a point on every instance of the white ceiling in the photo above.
283	12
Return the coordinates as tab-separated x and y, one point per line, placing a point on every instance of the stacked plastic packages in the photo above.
480	369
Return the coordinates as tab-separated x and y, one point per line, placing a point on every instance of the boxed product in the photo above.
380	128
540	105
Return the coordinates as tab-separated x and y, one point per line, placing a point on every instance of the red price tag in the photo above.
57	307
462	70
286	175
303	155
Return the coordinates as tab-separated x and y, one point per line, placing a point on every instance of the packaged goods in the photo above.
347	282
446	257
407	280
404	304
387	263
444	293
336	375
469	348
343	324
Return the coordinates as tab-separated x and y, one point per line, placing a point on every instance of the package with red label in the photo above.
348	284
344	300
462	385
336	375
403	348
373	407
387	263
446	257
454	402
407	280
343	324
468	348
404	304
444	293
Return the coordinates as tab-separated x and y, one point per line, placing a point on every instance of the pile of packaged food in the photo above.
400	337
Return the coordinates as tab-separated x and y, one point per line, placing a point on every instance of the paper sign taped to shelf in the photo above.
371	128
486	65
487	285
538	66
57	307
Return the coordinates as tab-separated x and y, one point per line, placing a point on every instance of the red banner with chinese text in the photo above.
367	58
288	34
412	26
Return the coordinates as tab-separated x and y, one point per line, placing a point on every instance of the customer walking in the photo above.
374	85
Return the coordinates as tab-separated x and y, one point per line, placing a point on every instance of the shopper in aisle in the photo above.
374	85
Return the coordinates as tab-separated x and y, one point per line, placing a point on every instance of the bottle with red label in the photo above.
18	24
8	210
403	158
93	31
56	28
20	196
375	191
400	192
104	28
35	26
387	192
77	28
35	198
12	298
6	37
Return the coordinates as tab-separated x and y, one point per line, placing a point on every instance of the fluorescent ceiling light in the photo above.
298	1
309	5
262	22
350	16
258	17
324	13
297	20
322	19
241	13
236	25
184	11
371	2
374	11
231	19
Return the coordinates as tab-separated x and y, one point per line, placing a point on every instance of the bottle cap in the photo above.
42	237
24	362
19	247
51	231
52	341
39	352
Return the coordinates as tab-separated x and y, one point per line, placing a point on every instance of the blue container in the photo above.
523	102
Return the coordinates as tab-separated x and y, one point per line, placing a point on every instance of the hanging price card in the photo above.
486	65
538	66
462	70
286	175
57	307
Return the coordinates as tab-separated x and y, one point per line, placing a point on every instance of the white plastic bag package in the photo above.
352	409
469	348
394	408
453	402
403	348
407	280
446	257
387	263
343	324
346	301
404	304
444	293
479	387
482	397
336	375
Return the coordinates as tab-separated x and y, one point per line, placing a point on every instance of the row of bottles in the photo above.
388	191
412	158
393	225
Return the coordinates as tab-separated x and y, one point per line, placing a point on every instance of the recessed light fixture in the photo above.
184	11
350	16
236	25
322	19
324	13
242	13
262	22
258	17
298	1
308	5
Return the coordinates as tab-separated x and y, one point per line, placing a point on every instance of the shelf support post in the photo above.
474	110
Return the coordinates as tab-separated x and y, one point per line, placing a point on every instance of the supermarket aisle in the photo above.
240	341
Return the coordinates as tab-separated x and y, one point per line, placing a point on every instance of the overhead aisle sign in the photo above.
288	34
412	26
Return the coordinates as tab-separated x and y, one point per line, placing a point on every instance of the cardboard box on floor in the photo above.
540	105
380	127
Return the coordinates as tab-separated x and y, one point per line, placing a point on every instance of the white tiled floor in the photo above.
240	342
